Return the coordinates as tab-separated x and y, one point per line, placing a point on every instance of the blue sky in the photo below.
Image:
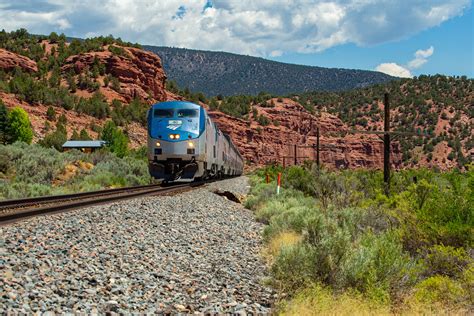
452	42
404	37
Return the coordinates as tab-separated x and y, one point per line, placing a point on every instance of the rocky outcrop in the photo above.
9	61
263	144
140	73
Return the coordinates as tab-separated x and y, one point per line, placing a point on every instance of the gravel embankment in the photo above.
192	252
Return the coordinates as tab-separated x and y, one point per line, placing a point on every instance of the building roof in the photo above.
84	144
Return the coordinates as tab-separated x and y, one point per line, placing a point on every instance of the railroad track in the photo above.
13	210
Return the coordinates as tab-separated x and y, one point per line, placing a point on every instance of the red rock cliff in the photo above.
263	144
9	61
140	72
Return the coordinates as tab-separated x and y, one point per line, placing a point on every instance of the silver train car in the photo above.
185	144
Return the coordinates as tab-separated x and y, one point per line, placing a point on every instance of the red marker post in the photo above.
279	183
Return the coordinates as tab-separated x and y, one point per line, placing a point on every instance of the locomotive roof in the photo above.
175	104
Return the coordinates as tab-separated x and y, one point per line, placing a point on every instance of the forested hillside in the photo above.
71	88
440	107
215	73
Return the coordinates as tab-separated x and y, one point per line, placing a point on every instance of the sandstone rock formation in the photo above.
263	144
140	73
9	61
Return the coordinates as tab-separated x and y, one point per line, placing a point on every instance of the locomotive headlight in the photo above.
158	144
176	136
190	144
172	136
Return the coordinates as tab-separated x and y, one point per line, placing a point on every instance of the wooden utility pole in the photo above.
386	137
317	147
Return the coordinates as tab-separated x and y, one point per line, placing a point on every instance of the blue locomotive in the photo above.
184	143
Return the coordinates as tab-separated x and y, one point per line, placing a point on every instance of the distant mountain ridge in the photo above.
224	73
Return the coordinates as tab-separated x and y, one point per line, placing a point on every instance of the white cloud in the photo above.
421	57
424	53
263	27
394	69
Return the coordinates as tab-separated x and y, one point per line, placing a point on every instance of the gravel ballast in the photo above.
195	252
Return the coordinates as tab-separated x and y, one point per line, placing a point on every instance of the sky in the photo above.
404	38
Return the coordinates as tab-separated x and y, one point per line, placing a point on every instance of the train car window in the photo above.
187	113
163	113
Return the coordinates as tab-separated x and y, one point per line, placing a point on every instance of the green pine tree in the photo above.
51	114
75	135
116	140
83	135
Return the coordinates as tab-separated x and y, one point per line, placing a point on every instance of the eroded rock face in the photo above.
263	144
9	61
140	73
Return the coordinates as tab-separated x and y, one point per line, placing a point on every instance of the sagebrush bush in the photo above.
376	265
294	267
21	190
259	194
409	246
32	170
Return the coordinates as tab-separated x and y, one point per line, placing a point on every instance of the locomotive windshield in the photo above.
175	117
163	113
188	113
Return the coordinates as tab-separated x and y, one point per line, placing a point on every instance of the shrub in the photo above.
352	237
116	140
260	193
446	260
84	135
440	289
55	139
282	240
19	126
376	265
31	170
294	267
51	114
115	84
298	178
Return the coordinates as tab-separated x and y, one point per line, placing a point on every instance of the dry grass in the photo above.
71	170
284	239
319	301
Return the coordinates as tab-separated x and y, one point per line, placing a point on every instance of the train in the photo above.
185	144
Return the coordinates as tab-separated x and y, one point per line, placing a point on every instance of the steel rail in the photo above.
13	210
7	204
